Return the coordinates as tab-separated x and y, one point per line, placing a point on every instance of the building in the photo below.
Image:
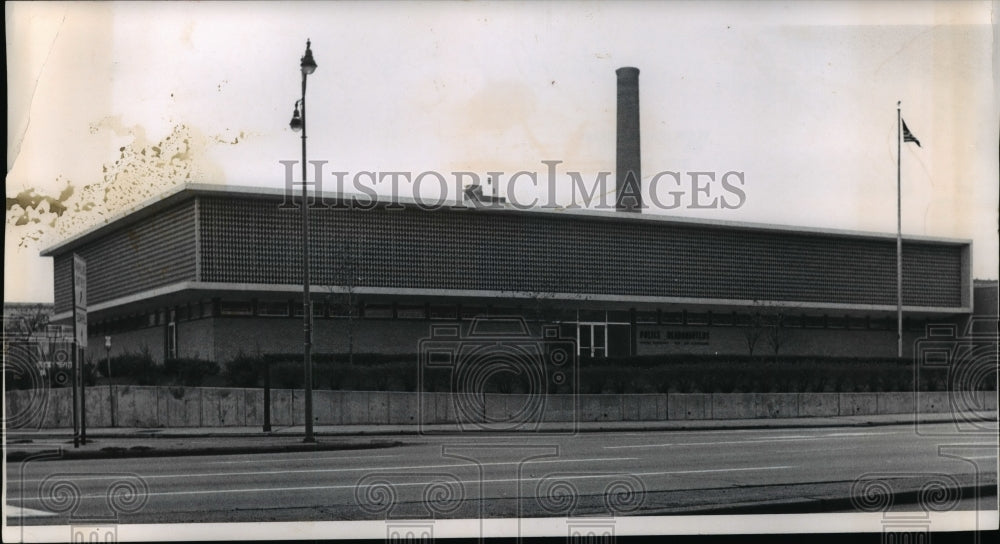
210	271
26	317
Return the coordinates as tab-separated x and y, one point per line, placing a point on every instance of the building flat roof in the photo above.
190	190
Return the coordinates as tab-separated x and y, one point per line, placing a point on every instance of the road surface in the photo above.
473	475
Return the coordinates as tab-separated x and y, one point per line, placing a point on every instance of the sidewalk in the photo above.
138	442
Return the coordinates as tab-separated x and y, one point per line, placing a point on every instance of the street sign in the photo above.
81	327
80	300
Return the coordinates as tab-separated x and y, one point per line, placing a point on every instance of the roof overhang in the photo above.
185	292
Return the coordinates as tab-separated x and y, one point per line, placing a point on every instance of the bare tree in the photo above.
346	276
776	332
753	332
23	321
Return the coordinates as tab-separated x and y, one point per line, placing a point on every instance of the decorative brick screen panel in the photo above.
251	240
152	253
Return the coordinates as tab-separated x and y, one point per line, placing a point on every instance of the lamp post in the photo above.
111	394
308	66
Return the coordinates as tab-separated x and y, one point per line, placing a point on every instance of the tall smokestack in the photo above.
628	172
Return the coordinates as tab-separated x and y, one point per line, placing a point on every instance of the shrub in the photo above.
287	374
244	371
189	371
89	374
641	374
136	365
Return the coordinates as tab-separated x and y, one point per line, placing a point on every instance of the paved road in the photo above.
593	474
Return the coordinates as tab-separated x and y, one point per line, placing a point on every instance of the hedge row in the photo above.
680	377
647	374
140	368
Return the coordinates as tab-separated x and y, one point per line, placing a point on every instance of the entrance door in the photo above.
592	339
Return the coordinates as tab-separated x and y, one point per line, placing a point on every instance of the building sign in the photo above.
80	300
661	336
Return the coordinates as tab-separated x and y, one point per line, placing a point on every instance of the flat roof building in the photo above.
209	271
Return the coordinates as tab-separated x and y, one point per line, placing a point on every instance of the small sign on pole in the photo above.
80	337
80	300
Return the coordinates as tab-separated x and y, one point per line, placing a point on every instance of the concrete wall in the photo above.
138	406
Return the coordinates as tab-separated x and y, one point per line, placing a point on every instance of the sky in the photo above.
111	104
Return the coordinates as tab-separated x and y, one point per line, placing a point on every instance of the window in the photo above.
342	309
619	316
646	317
443	312
724	319
273	309
318	308
506	311
857	322
673	318
469	312
378	311
592	315
882	324
814	321
793	321
231	308
697	318
411	311
171	340
912	324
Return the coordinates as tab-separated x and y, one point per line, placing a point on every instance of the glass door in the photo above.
592	339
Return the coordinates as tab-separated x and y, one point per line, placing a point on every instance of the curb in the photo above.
685	425
695	425
828	504
145	451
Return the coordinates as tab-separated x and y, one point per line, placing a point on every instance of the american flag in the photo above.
908	136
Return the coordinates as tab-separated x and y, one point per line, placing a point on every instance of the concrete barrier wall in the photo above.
142	406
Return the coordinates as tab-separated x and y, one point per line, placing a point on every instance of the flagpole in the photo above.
899	232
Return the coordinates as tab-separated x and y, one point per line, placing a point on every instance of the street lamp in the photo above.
111	390
308	66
